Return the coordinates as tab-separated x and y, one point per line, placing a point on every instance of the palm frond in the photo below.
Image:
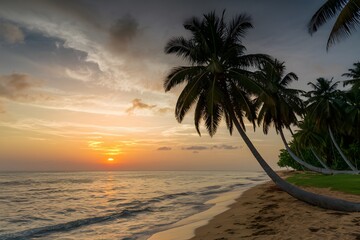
253	60
345	23
188	96
288	79
212	120
180	46
179	75
327	11
238	27
199	111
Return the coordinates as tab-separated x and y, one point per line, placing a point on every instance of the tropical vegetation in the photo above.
331	123
222	82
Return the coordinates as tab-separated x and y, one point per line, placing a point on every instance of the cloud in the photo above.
225	147
72	129
14	84
138	104
122	32
25	89
11	33
141	65
106	148
80	10
195	148
82	74
2	109
21	88
164	110
164	149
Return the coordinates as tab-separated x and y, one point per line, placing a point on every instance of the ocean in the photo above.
108	205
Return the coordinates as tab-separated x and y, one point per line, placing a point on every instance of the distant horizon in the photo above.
69	171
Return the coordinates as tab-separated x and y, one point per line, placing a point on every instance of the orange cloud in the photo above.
138	104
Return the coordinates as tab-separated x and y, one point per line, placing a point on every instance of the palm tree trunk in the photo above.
309	197
341	153
318	158
291	131
325	170
332	170
299	160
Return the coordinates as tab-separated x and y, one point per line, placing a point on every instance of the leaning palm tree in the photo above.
348	18
219	84
308	135
324	109
280	105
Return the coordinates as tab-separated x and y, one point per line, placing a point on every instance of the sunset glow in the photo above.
110	159
85	80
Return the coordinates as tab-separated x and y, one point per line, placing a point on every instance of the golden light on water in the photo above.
110	159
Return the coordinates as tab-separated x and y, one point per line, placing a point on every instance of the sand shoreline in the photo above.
185	229
266	212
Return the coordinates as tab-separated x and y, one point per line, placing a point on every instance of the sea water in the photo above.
107	205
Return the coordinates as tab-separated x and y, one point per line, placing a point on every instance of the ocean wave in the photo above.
57	181
63	227
213	187
238	185
215	192
18	182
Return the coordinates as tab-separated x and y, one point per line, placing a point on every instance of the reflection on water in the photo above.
106	205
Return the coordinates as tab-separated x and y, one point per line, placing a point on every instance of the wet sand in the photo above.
266	212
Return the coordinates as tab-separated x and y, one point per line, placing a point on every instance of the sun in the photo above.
110	159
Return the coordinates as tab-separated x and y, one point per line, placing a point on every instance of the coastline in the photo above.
266	212
185	228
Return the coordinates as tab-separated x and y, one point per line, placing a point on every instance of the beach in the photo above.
266	212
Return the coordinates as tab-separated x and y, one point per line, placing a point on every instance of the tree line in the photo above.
220	84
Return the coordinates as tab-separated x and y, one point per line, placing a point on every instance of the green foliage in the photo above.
329	107
342	182
285	160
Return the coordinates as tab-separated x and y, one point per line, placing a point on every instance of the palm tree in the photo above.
308	136
348	17
354	74
324	109
278	104
218	83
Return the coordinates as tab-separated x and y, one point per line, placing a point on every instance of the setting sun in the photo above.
110	159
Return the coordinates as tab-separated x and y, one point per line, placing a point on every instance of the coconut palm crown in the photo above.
322	103
217	82
278	104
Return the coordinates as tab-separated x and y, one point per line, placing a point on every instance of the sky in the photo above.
81	82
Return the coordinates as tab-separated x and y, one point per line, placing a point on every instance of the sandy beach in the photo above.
266	212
